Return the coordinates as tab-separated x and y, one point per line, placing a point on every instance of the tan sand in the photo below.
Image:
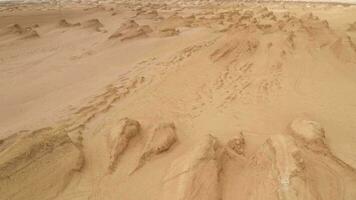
181	100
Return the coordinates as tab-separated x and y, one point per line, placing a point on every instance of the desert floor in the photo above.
178	100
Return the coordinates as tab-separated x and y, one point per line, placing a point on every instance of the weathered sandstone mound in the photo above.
162	139
168	32
119	139
131	30
93	24
65	24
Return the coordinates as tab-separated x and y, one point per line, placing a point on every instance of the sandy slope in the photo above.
178	100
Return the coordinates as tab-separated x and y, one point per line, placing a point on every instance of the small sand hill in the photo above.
168	32
97	8
17	30
264	13
175	21
161	140
344	49
141	32
131	30
316	29
14	28
32	161
119	141
148	14
352	27
93	24
232	15
130	24
65	24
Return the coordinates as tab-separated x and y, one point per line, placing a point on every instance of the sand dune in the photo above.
183	100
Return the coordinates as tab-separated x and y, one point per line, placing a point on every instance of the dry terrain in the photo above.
177	100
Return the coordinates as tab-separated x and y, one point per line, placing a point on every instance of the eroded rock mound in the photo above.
148	14
161	140
132	34
236	145
65	24
130	30
14	28
46	158
175	21
94	24
309	131
119	139
130	24
168	32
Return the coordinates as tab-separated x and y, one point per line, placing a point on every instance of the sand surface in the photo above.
177	100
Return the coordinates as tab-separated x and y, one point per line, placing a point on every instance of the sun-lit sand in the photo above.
177	100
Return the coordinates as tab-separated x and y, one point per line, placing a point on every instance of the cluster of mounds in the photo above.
165	27
294	165
198	174
30	32
19	31
43	160
95	8
91	24
140	7
257	27
161	139
131	30
176	21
